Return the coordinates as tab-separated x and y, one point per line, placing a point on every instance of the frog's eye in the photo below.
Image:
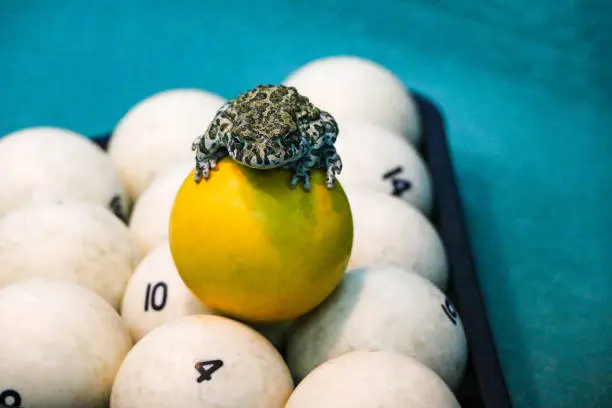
236	139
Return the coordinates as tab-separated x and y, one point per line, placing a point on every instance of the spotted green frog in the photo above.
271	126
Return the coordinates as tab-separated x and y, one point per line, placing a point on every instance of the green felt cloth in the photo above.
526	88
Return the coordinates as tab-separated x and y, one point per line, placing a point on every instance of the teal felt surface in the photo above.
526	88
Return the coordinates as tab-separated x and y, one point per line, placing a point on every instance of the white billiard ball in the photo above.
151	214
387	230
352	87
156	294
61	345
158	132
365	379
51	164
202	361
378	159
75	241
382	308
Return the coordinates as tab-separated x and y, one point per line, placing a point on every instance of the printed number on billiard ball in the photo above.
207	368
10	398
156	296
450	311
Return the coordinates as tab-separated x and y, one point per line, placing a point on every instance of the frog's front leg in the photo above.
330	129
209	147
332	163
327	154
323	132
208	152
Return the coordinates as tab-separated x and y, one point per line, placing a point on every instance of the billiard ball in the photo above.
352	87
390	231
52	164
76	241
382	308
378	159
61	345
202	361
157	133
365	379
151	214
156	294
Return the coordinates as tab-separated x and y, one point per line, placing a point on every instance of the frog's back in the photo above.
270	96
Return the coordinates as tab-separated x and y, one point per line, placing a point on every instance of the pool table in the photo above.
526	90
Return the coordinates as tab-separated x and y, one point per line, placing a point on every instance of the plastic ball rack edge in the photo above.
484	384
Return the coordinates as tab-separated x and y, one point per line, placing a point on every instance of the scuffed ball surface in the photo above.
202	361
40	164
367	379
75	241
61	345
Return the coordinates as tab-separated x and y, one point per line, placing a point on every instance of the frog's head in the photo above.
265	140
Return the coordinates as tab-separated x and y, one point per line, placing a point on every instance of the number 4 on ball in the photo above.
207	368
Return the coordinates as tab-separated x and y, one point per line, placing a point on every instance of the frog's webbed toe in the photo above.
301	171
202	167
204	163
296	179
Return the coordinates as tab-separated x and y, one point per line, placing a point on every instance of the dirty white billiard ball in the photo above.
382	308
50	164
376	158
156	294
158	132
202	361
151	214
365	379
74	241
387	230
351	87
61	345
